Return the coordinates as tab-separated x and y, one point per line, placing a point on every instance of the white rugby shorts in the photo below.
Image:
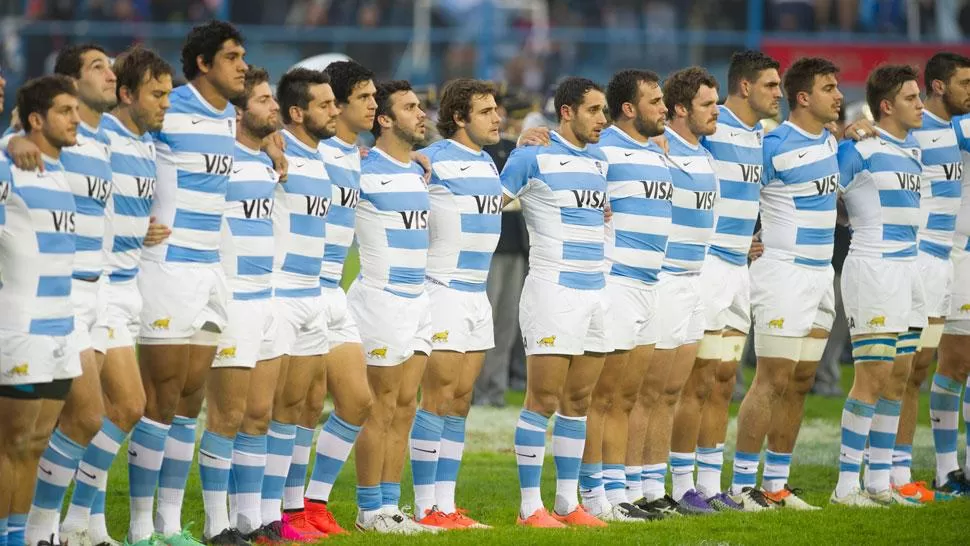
302	326
250	335
958	319
392	327
558	320
341	327
681	310
937	278
726	293
179	299
27	359
118	321
86	301
882	296
788	300
460	321
633	319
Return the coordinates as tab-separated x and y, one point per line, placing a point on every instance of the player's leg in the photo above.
384	383
714	421
903	451
591	487
21	408
948	382
632	455
654	469
35	470
397	438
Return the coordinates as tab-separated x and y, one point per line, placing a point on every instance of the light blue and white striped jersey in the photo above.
247	227
640	190
940	189
961	239
300	221
4	189
129	208
563	193
37	253
343	166
692	214
466	215
736	149
195	150
798	195
880	178
392	225
87	167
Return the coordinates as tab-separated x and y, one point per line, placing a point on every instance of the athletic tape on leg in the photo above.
732	347
710	348
930	338
812	349
908	342
874	349
770	346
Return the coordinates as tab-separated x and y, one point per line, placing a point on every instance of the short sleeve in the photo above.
961	126
850	163
519	168
768	153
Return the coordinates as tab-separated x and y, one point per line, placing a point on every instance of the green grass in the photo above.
488	488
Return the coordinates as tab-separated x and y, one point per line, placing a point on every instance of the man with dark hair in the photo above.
465	220
182	282
346	372
309	112
792	295
880	182
40	357
389	302
563	314
143	87
690	96
87	168
640	192
247	363
754	94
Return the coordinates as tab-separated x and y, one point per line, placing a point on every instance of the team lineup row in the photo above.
208	225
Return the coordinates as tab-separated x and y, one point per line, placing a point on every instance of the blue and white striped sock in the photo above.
745	471
368	501
966	429
882	440
296	477
856	423
449	461
944	419
146	450
3	531
777	470
902	465
54	474
634	483
179	449
391	495
279	453
333	447
591	483
681	474
98	527
568	444
92	475
654	477
248	466
530	452
710	460
614	482
215	458
16	525
424	444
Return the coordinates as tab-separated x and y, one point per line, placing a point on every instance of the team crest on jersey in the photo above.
760	135
494	168
599	167
829	144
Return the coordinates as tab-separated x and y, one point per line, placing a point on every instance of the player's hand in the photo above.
607	213
860	130
425	163
25	154
661	140
275	147
157	233
536	136
756	250
364	151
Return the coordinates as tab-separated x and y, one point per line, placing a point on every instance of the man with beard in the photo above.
309	111
143	86
389	303
181	281
640	192
87	167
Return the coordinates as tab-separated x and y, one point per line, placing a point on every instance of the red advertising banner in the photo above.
856	60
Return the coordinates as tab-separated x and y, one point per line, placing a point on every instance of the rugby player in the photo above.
464	226
144	82
181	281
792	295
691	99
389	303
640	193
563	312
40	354
881	286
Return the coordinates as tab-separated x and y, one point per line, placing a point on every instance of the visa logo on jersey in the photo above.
145	187
590	199
489	204
414	219
658	189
4	191
258	208
953	171
751	173
827	185
99	189
218	164
705	199
349	197
317	206
63	221
908	181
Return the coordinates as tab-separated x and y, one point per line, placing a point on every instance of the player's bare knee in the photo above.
357	411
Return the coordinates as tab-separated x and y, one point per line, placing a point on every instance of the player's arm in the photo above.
860	130
768	151
23	153
519	168
961	126
275	147
534	136
850	168
425	163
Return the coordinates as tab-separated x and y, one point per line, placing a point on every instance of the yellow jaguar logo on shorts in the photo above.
228	352
776	323
965	308
380	352
111	333
20	370
877	321
440	337
548	341
161	324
